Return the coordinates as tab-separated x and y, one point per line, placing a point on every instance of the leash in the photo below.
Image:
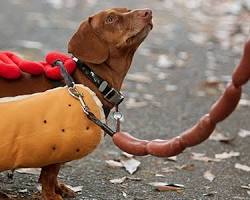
76	94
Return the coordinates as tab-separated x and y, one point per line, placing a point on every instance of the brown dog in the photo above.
106	42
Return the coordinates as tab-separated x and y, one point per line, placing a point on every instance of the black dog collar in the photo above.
109	93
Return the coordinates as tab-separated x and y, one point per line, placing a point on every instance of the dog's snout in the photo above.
145	13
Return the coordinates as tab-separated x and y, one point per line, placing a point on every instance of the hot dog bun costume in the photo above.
47	128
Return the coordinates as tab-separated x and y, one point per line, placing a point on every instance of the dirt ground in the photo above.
177	74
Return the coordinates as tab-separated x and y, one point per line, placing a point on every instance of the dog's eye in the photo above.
110	19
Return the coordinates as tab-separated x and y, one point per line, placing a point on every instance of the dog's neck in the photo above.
113	71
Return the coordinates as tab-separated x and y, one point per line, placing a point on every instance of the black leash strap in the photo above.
67	78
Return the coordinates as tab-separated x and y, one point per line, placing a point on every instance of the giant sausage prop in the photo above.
220	110
47	128
50	127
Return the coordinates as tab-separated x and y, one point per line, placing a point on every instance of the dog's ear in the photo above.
86	45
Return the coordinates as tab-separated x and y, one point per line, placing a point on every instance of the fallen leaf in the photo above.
188	167
246	187
209	176
75	188
162	186
242	167
167	170
172	158
131	165
202	157
216	136
226	155
34	171
118	180
113	163
139	77
244	103
244	133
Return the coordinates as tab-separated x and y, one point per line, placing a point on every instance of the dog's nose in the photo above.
144	13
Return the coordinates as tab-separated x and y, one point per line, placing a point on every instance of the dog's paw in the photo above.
63	190
4	196
52	197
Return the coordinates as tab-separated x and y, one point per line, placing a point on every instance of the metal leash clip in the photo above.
76	94
117	115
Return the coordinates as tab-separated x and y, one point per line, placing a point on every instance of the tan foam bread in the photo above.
47	128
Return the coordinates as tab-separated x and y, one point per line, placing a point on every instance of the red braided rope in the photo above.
12	66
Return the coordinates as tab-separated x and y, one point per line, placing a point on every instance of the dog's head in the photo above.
118	28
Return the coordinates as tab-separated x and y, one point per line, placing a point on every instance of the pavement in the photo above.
177	74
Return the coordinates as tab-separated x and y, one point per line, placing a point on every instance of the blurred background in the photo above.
177	74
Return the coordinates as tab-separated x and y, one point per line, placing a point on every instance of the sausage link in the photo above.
165	148
199	132
242	73
220	110
130	144
226	104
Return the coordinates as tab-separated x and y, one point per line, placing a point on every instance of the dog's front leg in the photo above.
51	186
48	179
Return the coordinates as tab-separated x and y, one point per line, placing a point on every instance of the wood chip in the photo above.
134	178
113	163
226	155
247	187
172	158
127	155
202	157
118	180
242	167
162	186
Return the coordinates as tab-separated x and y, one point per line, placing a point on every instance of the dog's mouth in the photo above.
142	34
